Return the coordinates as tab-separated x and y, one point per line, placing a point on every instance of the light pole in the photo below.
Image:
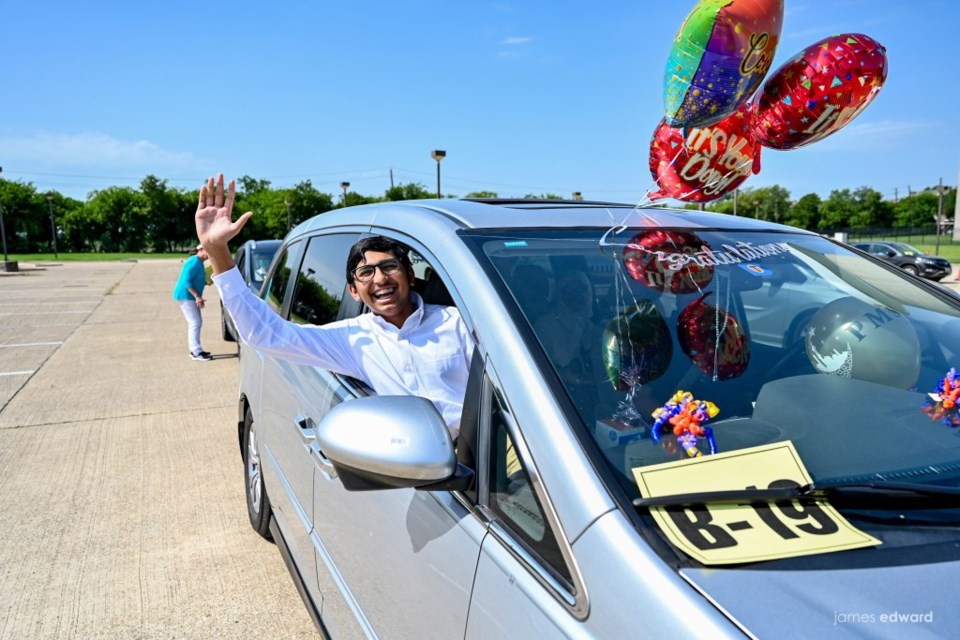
438	155
7	265
53	225
344	185
936	250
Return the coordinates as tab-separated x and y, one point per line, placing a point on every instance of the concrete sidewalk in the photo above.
124	512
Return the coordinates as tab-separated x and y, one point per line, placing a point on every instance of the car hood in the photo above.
913	600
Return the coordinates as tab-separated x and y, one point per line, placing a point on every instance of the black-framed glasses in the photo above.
364	273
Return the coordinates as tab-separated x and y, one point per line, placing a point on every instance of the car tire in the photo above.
258	503
912	270
224	327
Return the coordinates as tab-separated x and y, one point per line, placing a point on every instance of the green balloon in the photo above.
637	347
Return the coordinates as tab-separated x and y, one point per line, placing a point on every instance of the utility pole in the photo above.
936	250
53	224
6	265
391	178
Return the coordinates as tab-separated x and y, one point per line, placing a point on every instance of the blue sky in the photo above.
524	96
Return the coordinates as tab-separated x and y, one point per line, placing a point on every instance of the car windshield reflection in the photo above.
790	337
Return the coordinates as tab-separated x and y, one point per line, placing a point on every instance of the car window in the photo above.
322	279
276	289
240	259
512	495
259	264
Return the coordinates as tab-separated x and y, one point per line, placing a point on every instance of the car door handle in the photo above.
324	466
305	426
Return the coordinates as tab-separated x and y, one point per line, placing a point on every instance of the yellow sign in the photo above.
752	531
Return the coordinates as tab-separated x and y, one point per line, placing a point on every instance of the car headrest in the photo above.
432	289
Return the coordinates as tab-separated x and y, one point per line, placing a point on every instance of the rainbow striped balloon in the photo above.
720	55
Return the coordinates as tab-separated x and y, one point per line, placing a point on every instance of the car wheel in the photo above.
258	504
912	270
224	327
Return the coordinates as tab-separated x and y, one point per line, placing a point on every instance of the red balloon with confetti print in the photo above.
819	91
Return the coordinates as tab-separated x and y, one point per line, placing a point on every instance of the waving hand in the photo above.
215	224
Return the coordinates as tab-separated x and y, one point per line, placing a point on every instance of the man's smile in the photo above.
384	294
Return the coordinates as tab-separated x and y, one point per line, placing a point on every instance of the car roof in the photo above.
528	213
263	244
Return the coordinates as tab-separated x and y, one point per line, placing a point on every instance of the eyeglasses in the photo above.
387	267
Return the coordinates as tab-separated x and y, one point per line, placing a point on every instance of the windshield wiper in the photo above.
848	492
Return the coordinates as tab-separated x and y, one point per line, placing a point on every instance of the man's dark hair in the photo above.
380	244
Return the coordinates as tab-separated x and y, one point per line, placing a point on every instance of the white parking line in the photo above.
29	344
15	373
43	313
48	302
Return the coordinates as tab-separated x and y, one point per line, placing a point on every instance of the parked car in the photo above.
908	258
677	424
253	259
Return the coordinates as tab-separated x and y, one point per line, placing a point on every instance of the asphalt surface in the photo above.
123	512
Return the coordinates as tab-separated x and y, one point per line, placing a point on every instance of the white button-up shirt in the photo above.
428	356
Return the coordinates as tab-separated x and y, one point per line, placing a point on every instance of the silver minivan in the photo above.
677	424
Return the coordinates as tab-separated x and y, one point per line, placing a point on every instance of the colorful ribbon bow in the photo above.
687	417
945	400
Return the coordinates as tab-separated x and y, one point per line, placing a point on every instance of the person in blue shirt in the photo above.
189	294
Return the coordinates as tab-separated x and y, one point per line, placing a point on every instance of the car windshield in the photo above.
774	337
906	249
261	259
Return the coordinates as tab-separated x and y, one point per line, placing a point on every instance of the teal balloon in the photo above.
637	347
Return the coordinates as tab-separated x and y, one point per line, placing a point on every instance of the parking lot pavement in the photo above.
953	281
124	512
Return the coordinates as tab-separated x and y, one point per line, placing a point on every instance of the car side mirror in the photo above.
388	442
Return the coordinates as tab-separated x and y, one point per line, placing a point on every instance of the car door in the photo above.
287	468
403	560
524	586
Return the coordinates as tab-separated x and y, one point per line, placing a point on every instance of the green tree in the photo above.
59	207
307	201
805	213
916	210
838	210
542	196
871	209
248	185
25	218
170	215
765	203
482	194
409	191
121	217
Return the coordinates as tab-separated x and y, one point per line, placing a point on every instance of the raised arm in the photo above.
215	224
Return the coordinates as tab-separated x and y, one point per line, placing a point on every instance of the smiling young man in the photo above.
403	347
